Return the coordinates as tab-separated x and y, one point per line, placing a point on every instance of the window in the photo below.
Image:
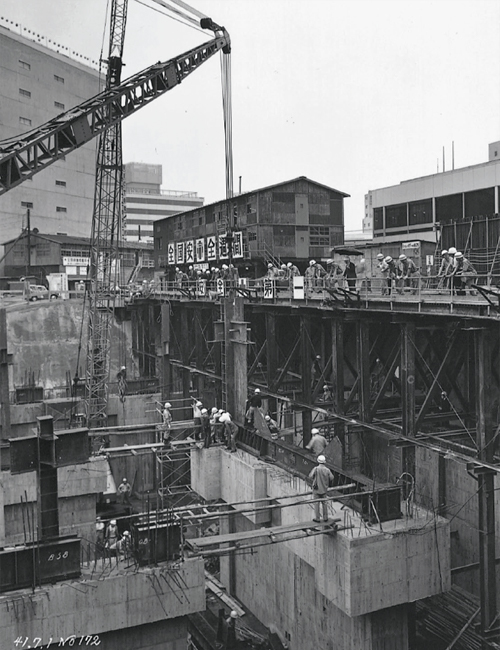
319	236
26	204
378	218
25	120
61	209
59	79
396	215
252	236
61	183
24	93
24	65
179	224
59	106
160	243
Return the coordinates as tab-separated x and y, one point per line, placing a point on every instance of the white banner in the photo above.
200	250
220	287
238	245
75	261
223	252
180	252
211	248
268	289
170	253
189	251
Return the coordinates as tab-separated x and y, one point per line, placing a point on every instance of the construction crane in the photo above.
24	156
105	235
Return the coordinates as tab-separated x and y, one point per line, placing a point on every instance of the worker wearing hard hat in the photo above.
124	491
407	274
322	479
317	444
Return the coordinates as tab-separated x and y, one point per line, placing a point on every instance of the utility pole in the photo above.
28	225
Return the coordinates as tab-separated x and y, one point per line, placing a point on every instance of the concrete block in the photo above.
206	472
96	606
15	485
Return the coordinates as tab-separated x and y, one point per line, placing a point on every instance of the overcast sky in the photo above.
355	94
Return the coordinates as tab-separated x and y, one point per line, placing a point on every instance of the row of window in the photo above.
27	66
29	204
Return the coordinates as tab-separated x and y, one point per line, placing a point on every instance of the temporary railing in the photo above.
483	290
375	505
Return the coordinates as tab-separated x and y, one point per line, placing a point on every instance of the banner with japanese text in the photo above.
189	252
171	254
180	252
200	249
211	248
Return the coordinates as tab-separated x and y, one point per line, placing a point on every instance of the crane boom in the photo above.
27	154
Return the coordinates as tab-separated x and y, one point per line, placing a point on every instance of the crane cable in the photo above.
228	121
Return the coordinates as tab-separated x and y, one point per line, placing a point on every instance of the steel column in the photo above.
363	362
271	355
486	494
407	376
4	378
305	360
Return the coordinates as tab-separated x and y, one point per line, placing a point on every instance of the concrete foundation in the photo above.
96	606
329	591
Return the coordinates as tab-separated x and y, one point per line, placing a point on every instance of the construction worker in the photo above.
230	430
332	274
272	425
382	283
322	479
317	444
111	534
197	406
205	428
407	274
327	394
292	270
388	268
167	422
123	545
463	275
125	491
350	274
121	378
100	530
444	269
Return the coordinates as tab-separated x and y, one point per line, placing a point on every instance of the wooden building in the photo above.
294	221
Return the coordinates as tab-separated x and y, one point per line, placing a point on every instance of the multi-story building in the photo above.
146	202
37	83
294	220
424	205
40	254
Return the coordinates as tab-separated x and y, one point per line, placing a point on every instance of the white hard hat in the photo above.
124	367
199	403
215	409
225	417
312	262
445	252
452	250
124	479
113	522
402	256
126	533
388	259
458	254
380	256
234	614
204	411
168	405
269	265
329	261
224	266
321	459
267	417
289	264
314	430
257	390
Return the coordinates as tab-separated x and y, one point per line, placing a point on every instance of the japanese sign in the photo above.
180	253
268	289
189	252
171	254
238	245
200	250
211	248
223	250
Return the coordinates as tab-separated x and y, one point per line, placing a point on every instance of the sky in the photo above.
354	94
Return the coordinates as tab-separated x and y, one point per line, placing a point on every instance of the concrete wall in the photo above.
326	591
93	606
162	635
